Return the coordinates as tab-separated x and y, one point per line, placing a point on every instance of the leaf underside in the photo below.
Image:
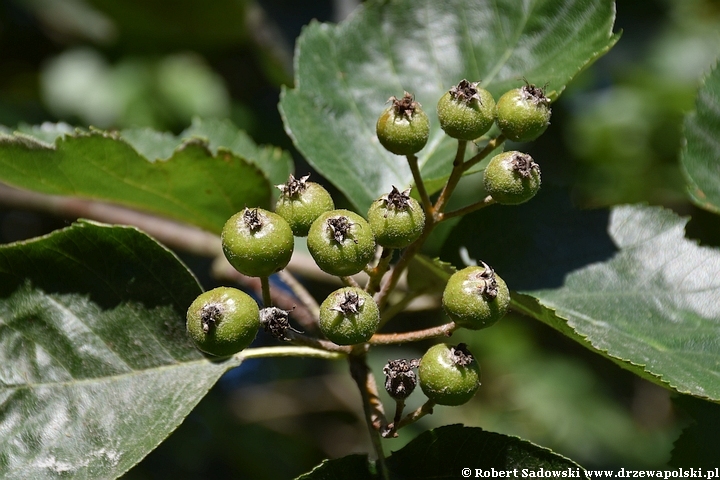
96	368
625	283
700	157
346	72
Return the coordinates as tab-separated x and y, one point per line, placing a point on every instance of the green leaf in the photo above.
625	283
96	368
699	157
444	453
346	72
699	444
222	135
429	274
352	467
201	181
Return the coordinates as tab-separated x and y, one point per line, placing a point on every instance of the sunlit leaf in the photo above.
345	73
96	368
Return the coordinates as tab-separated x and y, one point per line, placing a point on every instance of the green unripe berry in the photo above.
512	178
466	112
349	316
223	321
476	297
301	202
403	128
523	114
449	375
257	243
396	219
341	242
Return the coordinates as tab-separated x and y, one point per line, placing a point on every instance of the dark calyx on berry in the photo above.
461	355
523	164
488	285
465	91
534	93
275	322
396	199
400	380
294	186
405	106
350	304
252	219
210	315
340	228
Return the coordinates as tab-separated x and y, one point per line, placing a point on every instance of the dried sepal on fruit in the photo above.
476	297
341	242
349	316
301	202
403	128
400	379
523	114
223	321
257	242
466	111
449	375
396	219
512	178
276	322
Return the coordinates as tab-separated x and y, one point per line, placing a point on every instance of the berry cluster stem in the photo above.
424	197
376	274
485	202
413	336
288	351
265	287
372	406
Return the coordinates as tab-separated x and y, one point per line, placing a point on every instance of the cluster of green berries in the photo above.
466	112
259	243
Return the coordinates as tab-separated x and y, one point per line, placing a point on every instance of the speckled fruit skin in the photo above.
400	135
506	185
349	328
466	121
235	327
521	119
396	228
300	211
444	382
348	257
467	307
260	253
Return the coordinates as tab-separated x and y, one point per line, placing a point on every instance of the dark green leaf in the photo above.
191	180
444	453
699	158
345	73
96	368
699	444
625	283
352	467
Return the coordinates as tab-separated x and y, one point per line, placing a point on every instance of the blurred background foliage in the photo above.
614	139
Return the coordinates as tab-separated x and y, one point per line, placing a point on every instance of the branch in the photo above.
414	336
424	197
485	202
372	406
266	352
175	235
300	292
